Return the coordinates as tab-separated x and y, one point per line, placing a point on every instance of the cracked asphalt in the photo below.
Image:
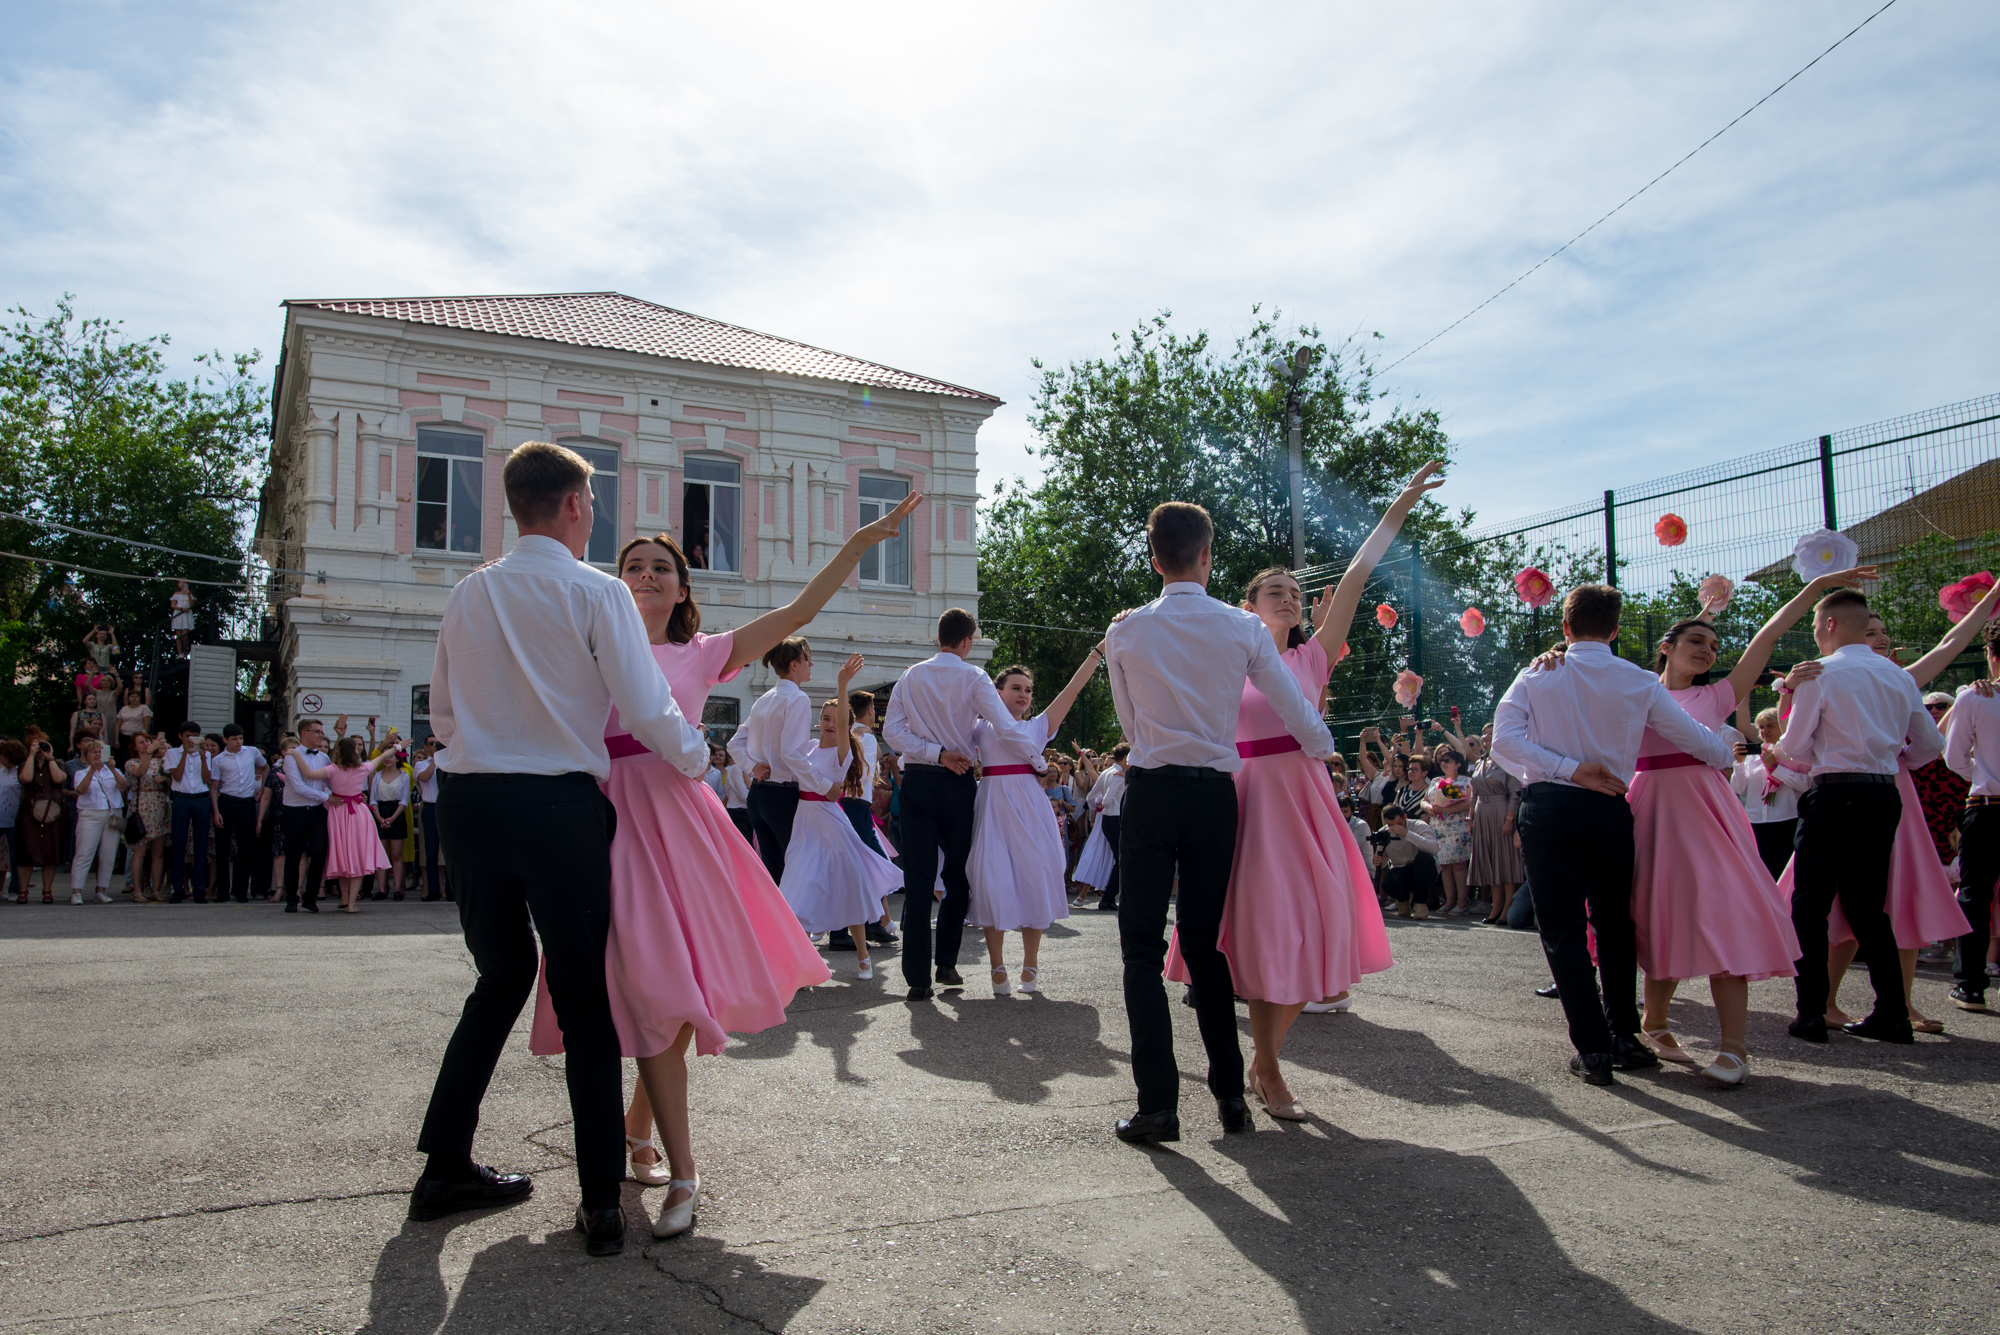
211	1109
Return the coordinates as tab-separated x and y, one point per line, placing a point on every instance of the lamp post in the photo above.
1291	372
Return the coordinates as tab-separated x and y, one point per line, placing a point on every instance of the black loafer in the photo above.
603	1230
310	907
434	1199
1552	992
881	936
1235	1115
1811	1028
1629	1054
1885	1031
1107	906
291	908
1149	1128
1967	1000
840	939
920	994
1594	1067
949	976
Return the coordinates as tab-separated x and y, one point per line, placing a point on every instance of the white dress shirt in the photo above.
1593	706
237	770
782	732
1110	792
1972	747
194	779
299	790
1177	670
735	788
99	793
934	706
871	756
1861	715
1748	779
427	786
533	651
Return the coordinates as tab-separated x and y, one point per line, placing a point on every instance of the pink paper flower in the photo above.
1670	529
1471	622
1716	591
1408	686
1535	587
1341	657
1385	616
1958	599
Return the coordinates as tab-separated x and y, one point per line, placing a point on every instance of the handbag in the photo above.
117	822
134	826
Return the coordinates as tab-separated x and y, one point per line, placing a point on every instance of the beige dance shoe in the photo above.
1000	987
1668	1048
1728	1076
678	1218
654	1174
1029	973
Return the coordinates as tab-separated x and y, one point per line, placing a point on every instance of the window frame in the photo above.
453	460
878	553
613	477
710	485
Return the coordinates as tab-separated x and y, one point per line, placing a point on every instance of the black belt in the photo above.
772	783
1821	779
1180	772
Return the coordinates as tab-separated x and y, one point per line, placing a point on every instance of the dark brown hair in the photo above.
536	477
1673	637
1122	750
1176	532
1992	637
349	752
685	619
1000	678
1257	581
1839	604
850	784
956	627
860	702
1592	609
780	656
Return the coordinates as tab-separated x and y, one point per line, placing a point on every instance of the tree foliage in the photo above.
96	435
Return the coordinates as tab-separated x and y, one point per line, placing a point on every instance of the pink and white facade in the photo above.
393	418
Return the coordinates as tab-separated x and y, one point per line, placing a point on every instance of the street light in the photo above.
1292	371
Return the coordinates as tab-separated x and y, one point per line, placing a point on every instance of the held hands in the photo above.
954	762
890	524
1595	777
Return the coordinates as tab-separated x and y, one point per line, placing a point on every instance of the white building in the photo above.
392	418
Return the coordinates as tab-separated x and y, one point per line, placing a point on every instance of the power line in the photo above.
1634	195
129	542
122	574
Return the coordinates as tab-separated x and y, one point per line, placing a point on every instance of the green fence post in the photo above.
1826	481
1610	539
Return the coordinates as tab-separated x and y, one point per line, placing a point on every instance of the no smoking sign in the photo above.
310	703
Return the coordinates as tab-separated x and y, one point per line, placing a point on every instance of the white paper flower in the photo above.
1823	553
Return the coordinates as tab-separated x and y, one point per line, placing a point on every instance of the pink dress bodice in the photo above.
1709	705
1256	720
346	782
691	670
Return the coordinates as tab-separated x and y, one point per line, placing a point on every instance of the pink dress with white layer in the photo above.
353	839
1301	922
1702	900
1922	905
699	934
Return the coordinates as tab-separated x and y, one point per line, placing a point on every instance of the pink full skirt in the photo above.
1922	905
699	934
1703	902
353	841
1301	922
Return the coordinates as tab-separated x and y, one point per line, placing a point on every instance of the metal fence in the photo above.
1927	482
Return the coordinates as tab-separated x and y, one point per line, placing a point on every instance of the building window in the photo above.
420	714
712	513
450	485
886	562
719	717
603	546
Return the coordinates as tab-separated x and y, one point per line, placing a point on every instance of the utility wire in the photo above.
1634	195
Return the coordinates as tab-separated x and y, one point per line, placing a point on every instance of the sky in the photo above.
959	190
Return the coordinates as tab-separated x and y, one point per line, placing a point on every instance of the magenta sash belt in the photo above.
623	745
995	771
1677	760
347	800
815	797
1269	746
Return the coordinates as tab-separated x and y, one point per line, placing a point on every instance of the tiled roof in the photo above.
614	320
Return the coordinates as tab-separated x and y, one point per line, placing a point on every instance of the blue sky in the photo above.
957	191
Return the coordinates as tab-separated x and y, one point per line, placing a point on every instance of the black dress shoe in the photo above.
1967	1000
603	1230
1149	1128
291	908
310	906
398	896
1629	1054
1812	1029
880	935
434	1199
1552	992
430	899
1235	1115
920	994
840	939
949	976
1594	1067
1107	906
1886	1031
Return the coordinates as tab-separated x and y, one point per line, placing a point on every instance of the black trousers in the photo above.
191	814
937	824
1846	835
427	819
1177	823
1978	869
238	849
861	816
1774	843
305	841
1578	847
772	806
740	817
1412	882
531	856
1112	826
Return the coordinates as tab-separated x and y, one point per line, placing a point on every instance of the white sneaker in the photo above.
76	897
103	898
866	972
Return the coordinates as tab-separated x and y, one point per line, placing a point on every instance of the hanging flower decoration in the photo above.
1959	599
1670	529
1408	686
1385	616
1823	553
1535	587
1715	593
1341	657
1471	621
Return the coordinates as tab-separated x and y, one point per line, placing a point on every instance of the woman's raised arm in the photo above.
757	638
1058	708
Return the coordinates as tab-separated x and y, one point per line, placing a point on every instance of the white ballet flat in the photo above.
1732	1075
1029	973
1000	988
865	972
654	1174
678	1218
1328	1007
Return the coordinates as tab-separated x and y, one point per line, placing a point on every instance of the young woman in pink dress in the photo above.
1703	902
353	839
701	943
1301	923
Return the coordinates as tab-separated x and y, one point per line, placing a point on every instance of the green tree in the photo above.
96	435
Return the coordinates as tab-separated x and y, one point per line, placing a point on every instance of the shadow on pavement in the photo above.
1016	1047
829	1017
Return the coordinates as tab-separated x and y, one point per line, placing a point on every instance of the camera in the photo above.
1381	838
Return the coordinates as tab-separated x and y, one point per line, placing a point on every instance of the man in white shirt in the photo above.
1851	725
532	652
1972	749
929	727
1177	666
427	794
193	810
736	789
1571	734
1769	791
302	816
776	744
1110	796
237	771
